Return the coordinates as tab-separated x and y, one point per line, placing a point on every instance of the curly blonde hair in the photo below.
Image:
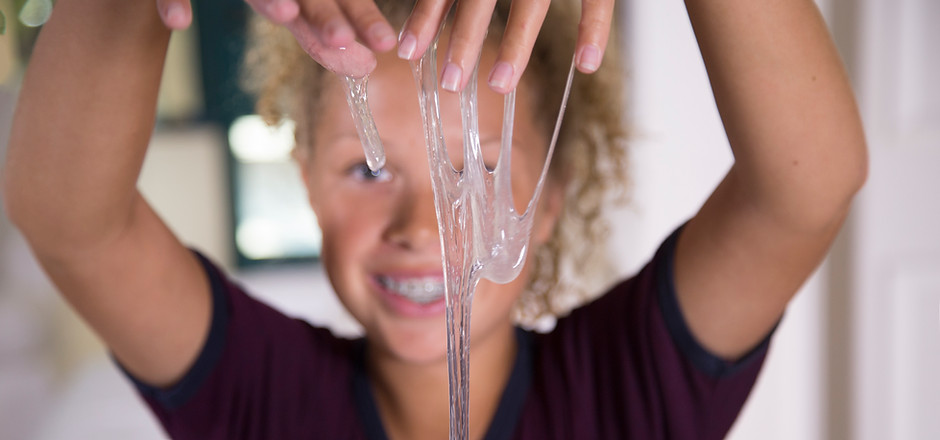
590	157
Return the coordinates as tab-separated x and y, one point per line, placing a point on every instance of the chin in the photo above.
412	343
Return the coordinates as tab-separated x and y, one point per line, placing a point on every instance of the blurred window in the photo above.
271	219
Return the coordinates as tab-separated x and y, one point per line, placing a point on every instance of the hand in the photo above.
326	29
525	20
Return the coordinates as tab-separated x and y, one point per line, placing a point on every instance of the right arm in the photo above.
83	122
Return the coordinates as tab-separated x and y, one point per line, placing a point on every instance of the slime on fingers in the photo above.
482	235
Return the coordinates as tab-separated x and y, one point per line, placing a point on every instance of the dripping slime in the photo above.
482	235
358	100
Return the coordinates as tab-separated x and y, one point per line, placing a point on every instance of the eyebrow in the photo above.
338	140
343	141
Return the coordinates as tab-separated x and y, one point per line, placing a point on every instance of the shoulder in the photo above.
629	356
272	367
644	310
241	318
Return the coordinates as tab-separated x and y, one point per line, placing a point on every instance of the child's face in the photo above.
380	237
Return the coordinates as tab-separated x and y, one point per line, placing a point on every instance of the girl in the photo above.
669	353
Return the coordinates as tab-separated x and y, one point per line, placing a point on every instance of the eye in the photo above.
361	172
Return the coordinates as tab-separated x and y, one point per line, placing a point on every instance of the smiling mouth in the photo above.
424	290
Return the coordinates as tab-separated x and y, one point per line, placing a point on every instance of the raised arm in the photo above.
800	157
81	128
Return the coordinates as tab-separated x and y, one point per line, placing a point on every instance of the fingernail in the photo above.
590	58
407	46
383	34
450	78
175	15
500	76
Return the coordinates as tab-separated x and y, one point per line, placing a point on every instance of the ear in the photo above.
553	201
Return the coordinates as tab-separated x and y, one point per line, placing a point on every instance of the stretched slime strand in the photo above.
358	100
481	233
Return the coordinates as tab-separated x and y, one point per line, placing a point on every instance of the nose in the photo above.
414	222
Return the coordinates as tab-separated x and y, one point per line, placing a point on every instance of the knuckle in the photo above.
321	16
464	49
516	50
420	19
358	10
594	24
423	11
366	19
542	4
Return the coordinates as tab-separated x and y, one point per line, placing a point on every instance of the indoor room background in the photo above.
857	355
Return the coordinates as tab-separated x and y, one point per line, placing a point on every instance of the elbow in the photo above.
845	182
17	202
840	176
812	196
12	203
856	170
7	195
862	176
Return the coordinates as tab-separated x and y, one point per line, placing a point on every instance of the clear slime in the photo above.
482	235
358	99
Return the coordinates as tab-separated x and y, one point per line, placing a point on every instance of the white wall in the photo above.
679	155
895	265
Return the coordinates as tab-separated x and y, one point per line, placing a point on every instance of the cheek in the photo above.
352	222
345	229
347	246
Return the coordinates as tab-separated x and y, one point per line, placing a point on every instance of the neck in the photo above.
413	399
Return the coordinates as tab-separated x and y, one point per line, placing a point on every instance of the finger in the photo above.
369	23
353	60
593	32
466	39
421	27
522	28
176	14
329	22
278	11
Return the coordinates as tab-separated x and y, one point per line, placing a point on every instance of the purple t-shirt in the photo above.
622	367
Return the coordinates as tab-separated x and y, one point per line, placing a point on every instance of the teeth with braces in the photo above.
419	290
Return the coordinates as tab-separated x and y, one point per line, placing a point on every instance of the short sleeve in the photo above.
626	366
682	337
703	393
259	375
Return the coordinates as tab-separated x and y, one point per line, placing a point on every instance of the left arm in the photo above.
800	157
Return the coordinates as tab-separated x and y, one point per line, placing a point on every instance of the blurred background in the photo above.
857	355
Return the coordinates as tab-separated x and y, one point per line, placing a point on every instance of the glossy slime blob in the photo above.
482	235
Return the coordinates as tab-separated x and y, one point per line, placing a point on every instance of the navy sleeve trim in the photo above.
704	360
178	394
